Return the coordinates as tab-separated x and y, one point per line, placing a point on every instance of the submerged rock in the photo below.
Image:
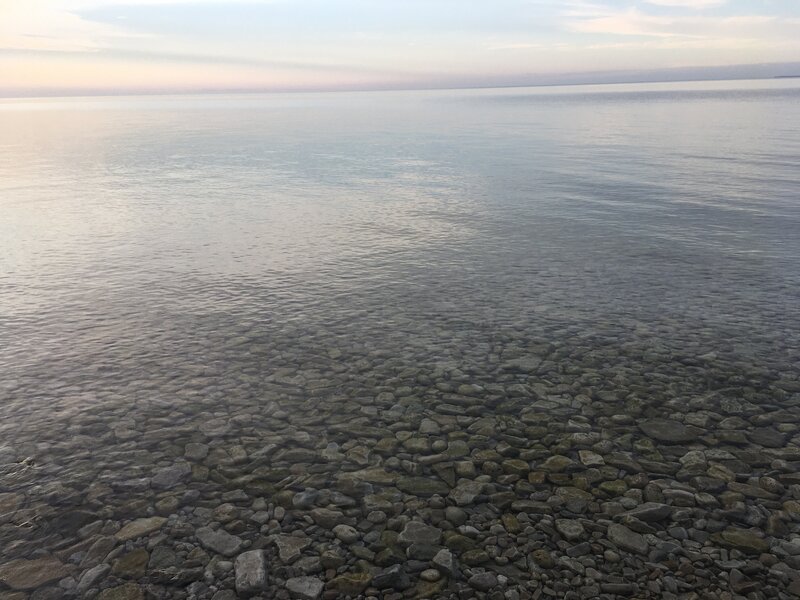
672	432
25	574
250	570
219	541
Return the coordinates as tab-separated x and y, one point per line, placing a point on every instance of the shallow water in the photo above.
331	273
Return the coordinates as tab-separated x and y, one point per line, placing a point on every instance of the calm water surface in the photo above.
324	271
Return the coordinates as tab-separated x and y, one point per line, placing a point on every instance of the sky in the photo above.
117	46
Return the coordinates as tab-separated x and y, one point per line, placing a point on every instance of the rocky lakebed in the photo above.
598	467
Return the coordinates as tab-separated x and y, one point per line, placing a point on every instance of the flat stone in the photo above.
650	512
591	459
219	541
327	518
457	449
350	584
171	476
92	576
429	427
131	565
129	591
570	529
557	463
30	574
290	547
626	539
483	582
394	577
250	570
465	493
346	533
446	562
372	475
305	588
422	486
543	558
515	466
745	540
195	451
416	532
525	364
767	437
140	528
669	431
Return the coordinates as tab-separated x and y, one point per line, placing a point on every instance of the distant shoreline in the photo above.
204	92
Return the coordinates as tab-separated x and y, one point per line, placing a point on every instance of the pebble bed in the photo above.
593	467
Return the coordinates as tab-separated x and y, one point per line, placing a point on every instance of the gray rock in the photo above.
393	577
195	451
346	533
465	493
416	532
668	431
250	570
327	518
305	499
171	476
626	539
219	541
92	576
140	528
446	562
650	512
290	547
422	486
570	529
305	588
429	427
483	582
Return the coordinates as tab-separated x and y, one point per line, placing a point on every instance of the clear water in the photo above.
167	262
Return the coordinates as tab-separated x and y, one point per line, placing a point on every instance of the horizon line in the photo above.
257	91
731	72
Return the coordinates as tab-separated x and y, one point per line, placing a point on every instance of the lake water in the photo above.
281	327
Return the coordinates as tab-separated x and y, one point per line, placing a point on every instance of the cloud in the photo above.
694	4
56	25
636	23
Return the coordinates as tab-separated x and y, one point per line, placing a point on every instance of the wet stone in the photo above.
250	570
131	565
219	541
171	476
650	512
571	530
394	577
128	591
30	574
483	582
305	588
626	539
416	532
747	541
422	486
140	528
350	584
465	493
92	576
290	547
668	431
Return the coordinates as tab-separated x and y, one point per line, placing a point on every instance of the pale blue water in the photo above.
164	259
138	229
